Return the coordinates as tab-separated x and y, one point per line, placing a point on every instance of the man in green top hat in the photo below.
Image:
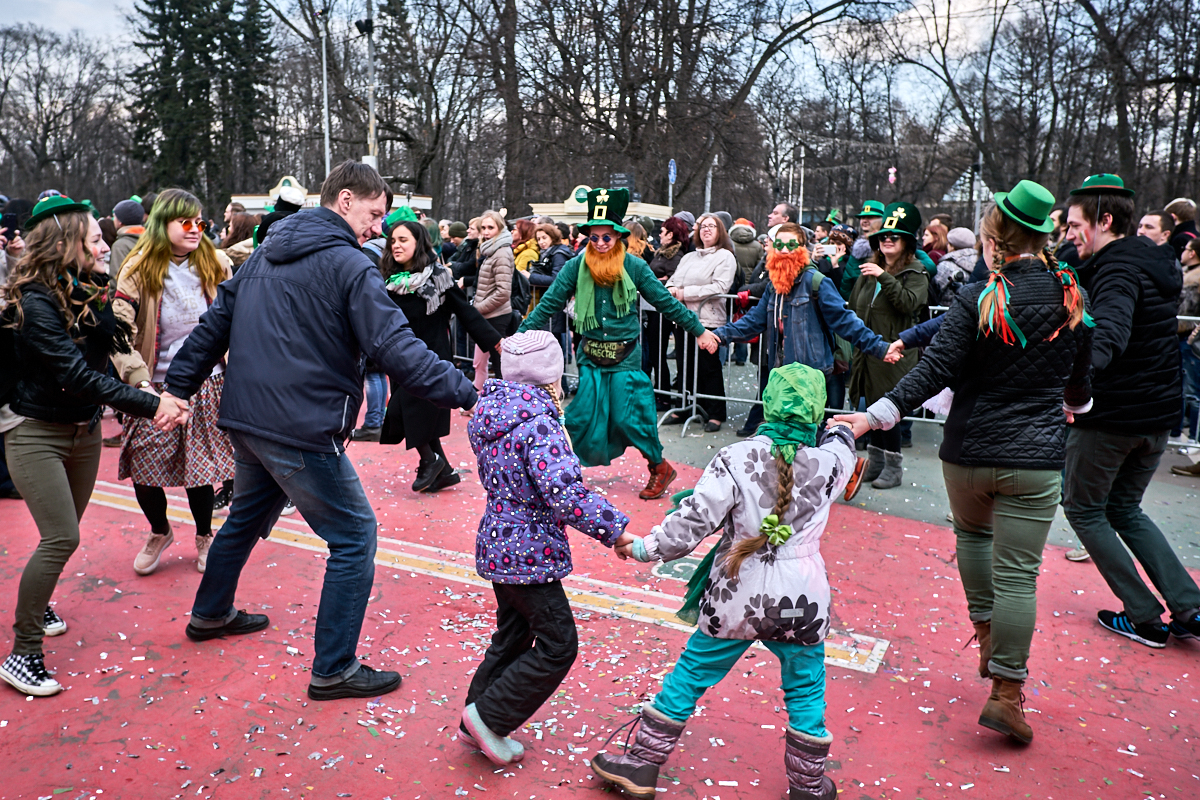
614	406
1114	448
870	220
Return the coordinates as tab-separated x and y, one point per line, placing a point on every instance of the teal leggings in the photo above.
706	660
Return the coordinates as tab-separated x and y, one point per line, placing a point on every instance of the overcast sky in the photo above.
95	17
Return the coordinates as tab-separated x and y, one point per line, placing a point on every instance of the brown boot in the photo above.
661	475
983	633
1003	711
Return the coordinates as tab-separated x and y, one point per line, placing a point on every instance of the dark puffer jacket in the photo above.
1008	399
1134	288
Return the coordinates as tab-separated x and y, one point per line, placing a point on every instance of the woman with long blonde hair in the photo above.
1017	351
61	321
167	281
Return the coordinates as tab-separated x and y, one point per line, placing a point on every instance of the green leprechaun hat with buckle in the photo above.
607	207
901	218
1030	204
55	204
871	208
1104	183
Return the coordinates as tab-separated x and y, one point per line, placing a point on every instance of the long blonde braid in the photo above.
748	547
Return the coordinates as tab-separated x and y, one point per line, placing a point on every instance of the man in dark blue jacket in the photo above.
1114	448
295	325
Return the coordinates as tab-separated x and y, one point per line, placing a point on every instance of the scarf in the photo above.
793	404
623	290
430	284
490	246
783	267
96	326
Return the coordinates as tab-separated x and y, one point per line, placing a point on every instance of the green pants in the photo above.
1002	516
54	467
706	660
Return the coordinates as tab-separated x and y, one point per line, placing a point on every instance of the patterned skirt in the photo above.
192	455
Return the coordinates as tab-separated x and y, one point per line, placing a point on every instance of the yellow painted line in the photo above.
848	650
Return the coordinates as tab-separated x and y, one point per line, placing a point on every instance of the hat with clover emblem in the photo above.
606	207
901	218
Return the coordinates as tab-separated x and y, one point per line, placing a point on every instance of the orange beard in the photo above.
606	268
783	267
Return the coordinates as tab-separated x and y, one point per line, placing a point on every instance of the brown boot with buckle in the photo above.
983	634
1003	711
661	475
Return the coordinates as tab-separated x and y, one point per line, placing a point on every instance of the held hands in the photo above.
871	270
709	341
172	412
623	546
895	352
856	422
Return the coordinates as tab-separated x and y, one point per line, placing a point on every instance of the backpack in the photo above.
842	350
522	293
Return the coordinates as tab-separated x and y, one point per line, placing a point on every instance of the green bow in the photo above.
776	534
401	279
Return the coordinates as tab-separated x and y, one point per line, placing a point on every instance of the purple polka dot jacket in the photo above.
534	488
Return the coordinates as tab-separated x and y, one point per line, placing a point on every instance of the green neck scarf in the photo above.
793	405
623	293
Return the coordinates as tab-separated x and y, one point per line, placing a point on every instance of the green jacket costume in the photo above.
614	406
850	271
887	304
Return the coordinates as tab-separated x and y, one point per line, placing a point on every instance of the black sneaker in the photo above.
1151	634
746	431
366	682
242	623
365	435
428	472
28	674
447	478
1185	630
52	623
223	497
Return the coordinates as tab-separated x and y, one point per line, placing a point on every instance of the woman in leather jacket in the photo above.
63	333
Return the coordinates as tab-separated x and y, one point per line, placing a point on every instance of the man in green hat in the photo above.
613	408
1114	448
870	220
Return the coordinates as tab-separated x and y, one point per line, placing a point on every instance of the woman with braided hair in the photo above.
764	580
1016	351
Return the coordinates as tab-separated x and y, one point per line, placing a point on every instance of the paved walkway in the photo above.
148	713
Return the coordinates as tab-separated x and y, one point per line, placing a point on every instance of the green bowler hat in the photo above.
835	217
1104	183
902	218
53	205
1030	204
871	208
607	207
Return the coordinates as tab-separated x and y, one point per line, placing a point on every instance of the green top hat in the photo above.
871	208
50	206
1104	183
607	207
835	216
1030	204
901	218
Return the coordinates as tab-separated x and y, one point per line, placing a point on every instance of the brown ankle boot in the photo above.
983	633
1003	711
661	475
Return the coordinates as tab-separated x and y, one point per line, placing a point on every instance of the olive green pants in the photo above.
54	467
1002	516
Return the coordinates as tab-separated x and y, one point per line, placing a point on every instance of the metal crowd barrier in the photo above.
685	394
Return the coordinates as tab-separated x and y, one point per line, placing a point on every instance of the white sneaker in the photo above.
52	623
289	508
1080	554
147	560
28	674
202	545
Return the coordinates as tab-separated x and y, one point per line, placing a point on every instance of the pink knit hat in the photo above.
533	357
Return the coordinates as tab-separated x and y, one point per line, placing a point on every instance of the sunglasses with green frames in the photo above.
790	245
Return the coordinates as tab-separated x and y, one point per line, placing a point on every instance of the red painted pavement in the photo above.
229	718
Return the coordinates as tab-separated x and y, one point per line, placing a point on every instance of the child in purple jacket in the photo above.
534	489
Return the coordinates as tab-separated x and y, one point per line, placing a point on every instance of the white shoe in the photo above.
147	560
28	674
1081	554
52	623
289	508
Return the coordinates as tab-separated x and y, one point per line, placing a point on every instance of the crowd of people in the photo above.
239	358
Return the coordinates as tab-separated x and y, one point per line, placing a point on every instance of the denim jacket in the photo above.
805	340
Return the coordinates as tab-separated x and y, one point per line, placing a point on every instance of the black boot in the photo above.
636	770
428	472
804	758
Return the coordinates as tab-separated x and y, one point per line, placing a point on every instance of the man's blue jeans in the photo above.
327	491
377	394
